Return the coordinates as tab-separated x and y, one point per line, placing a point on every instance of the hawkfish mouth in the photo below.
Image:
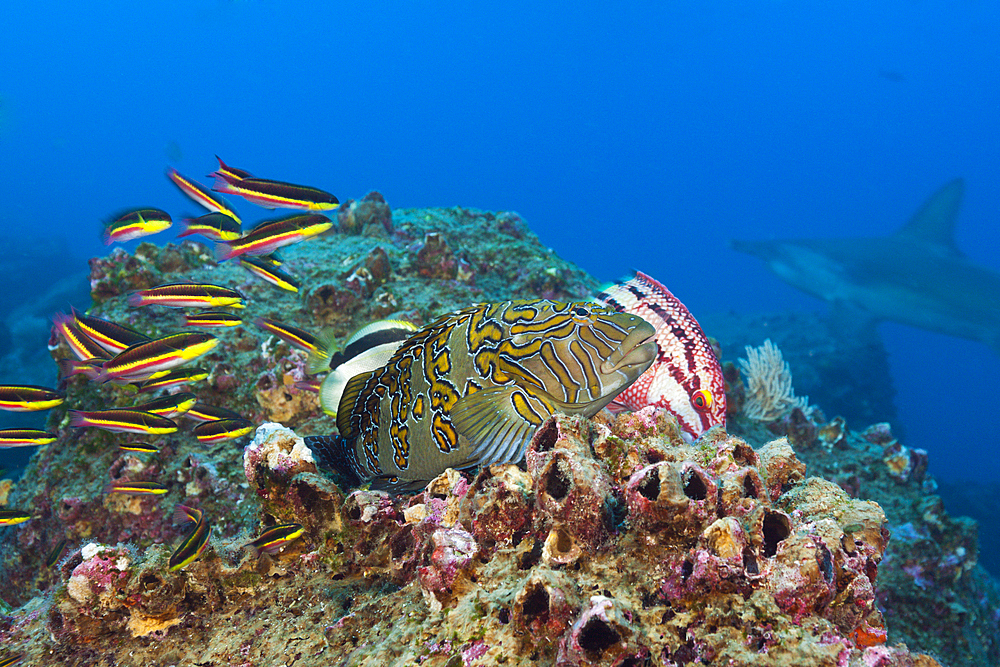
638	349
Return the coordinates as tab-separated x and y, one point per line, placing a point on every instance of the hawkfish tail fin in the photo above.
336	453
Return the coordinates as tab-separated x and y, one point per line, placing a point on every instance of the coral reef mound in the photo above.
617	544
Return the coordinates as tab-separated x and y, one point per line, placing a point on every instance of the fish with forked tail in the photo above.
917	276
471	388
135	224
202	195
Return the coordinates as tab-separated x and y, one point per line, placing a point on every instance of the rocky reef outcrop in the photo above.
615	542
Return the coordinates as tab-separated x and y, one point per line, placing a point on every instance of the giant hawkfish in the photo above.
686	378
471	388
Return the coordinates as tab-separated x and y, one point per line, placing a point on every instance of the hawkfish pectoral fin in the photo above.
499	422
586	409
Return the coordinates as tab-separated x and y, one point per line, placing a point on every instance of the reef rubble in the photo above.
615	542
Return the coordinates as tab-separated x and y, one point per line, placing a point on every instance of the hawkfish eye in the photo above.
701	400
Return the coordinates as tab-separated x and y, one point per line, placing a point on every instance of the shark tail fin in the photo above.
935	221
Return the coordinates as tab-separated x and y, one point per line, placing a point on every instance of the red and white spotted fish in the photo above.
686	377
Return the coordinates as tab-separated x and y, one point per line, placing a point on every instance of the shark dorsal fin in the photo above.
935	221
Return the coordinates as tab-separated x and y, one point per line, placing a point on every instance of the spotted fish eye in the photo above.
702	400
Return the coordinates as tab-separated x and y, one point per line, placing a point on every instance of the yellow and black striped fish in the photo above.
471	388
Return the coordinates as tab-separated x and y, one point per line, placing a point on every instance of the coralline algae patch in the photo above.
619	544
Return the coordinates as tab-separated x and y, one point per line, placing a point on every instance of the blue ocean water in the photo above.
641	136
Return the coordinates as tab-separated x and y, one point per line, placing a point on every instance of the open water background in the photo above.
643	135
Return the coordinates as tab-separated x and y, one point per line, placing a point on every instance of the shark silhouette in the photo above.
917	276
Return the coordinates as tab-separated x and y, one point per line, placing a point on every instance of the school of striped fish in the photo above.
466	390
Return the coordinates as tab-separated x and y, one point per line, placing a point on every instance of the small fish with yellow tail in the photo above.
122	421
187	295
194	542
471	388
212	319
269	193
275	538
686	377
214	226
169	406
10	517
111	336
155	357
201	412
80	344
56	553
220	430
139	448
268	236
175	378
202	195
129	488
25	437
136	224
294	336
269	273
28	398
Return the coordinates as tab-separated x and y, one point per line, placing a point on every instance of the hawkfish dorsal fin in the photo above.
347	401
499	421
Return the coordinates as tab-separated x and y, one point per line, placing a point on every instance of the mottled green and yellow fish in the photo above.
472	387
